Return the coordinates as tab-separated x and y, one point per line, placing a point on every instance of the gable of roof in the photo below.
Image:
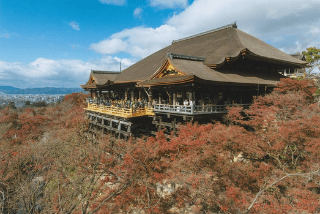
166	69
215	46
103	77
100	78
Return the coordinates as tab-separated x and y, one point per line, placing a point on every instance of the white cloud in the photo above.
137	12
169	3
138	41
114	2
109	46
74	25
296	47
288	26
56	73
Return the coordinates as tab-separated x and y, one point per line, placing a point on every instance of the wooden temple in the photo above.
195	78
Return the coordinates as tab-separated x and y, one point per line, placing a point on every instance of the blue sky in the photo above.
57	42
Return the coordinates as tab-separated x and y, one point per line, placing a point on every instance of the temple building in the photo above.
194	78
294	72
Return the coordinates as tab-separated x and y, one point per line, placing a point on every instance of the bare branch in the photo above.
278	180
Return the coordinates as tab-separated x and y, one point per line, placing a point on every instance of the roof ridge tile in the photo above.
233	25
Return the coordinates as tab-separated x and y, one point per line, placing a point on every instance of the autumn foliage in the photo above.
265	159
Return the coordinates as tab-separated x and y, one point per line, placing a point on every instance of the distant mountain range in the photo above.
8	88
46	90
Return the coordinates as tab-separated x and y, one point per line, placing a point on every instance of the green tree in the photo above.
313	57
12	105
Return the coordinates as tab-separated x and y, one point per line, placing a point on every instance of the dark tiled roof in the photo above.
200	72
214	46
89	85
103	77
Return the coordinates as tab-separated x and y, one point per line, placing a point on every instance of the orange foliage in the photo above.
213	168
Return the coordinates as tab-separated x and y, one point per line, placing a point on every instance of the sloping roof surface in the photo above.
169	80
199	71
215	47
222	75
89	85
103	77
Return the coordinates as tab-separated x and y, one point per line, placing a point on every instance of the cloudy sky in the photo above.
57	42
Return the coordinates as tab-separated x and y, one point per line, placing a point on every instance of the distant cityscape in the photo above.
20	100
29	96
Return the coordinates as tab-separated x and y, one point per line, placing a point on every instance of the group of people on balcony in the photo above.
122	103
136	103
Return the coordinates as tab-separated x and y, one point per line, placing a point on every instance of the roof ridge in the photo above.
233	25
105	72
183	56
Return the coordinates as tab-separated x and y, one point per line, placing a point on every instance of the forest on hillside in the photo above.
265	159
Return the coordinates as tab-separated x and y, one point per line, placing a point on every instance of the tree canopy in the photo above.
265	159
313	57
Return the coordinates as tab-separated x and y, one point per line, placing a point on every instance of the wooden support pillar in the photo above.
183	95
150	98
170	97
119	130
160	121
96	123
119	94
126	95
190	95
110	125
174	126
132	95
160	97
174	97
203	98
129	129
102	125
265	90
91	93
95	93
140	95
216	98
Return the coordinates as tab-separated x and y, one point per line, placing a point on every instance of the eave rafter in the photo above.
229	59
247	53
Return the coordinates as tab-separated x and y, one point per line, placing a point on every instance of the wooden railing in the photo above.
195	110
161	108
120	112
